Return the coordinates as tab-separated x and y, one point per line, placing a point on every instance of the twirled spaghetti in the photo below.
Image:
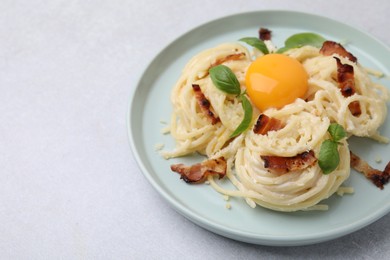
189	126
305	125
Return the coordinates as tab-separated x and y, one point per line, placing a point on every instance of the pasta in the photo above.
189	126
305	127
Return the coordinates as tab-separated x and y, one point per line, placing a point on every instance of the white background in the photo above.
69	186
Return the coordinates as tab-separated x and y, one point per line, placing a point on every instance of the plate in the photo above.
150	106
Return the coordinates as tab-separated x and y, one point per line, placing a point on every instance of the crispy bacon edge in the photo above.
329	48
377	177
264	34
280	164
204	104
199	172
264	124
346	81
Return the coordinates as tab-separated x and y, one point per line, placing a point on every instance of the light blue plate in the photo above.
150	104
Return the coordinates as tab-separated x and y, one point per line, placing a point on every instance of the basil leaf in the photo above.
337	132
255	42
329	157
283	49
246	121
224	79
301	39
307	38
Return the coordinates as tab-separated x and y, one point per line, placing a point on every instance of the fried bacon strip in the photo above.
375	176
280	164
265	124
346	81
198	173
234	56
329	48
204	104
264	34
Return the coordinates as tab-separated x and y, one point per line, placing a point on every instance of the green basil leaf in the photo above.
329	157
246	121
283	49
255	42
301	39
307	38
225	80
337	132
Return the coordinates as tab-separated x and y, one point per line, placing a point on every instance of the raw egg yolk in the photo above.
275	80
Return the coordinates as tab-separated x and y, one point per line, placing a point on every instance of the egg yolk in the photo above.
275	80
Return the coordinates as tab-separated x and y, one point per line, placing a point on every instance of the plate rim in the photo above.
248	237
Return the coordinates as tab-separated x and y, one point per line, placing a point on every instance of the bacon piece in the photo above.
355	109
375	176
234	56
198	173
265	124
280	164
264	34
329	48
204	104
346	80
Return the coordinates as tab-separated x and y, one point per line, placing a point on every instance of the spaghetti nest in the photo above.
305	125
189	126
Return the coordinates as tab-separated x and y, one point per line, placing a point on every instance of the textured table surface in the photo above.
69	186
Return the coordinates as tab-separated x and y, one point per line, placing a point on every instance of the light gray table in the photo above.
69	186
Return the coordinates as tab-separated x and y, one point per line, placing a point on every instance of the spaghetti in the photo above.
305	125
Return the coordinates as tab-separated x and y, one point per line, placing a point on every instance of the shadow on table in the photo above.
367	243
